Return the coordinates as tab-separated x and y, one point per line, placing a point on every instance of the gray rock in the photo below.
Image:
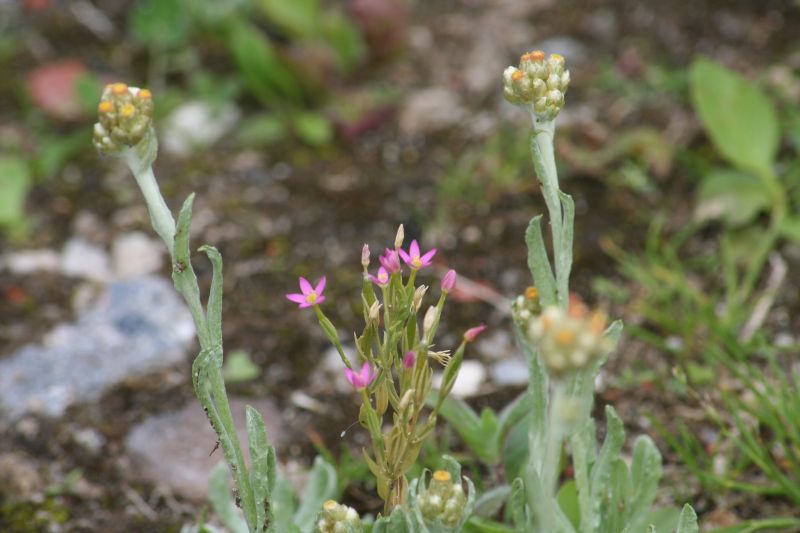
469	380
174	450
196	125
136	328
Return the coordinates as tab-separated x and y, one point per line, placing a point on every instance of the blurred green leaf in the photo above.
298	17
568	501
321	486
15	182
239	367
740	119
344	39
220	497
262	129
312	128
731	196
160	23
790	228
264	73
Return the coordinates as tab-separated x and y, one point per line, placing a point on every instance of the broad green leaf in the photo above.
645	475
219	495
515	449
299	17
737	115
321	486
568	501
491	501
664	519
687	522
732	197
239	367
609	453
15	182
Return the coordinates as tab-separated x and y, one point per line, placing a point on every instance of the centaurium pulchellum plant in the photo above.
565	345
395	359
125	130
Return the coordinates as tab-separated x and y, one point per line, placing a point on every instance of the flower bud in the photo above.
419	294
365	256
538	82
449	281
374	314
408	360
338	518
472	333
444	501
430	319
125	117
398	239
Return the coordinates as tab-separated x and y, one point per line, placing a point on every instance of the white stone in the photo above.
135	254
27	262
512	371
196	125
468	382
82	259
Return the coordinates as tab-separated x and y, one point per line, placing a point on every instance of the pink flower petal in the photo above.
426	259
413	250
319	300
305	286
320	287
296	298
405	256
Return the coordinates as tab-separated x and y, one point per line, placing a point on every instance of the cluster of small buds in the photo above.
443	501
539	82
338	518
125	117
527	306
569	341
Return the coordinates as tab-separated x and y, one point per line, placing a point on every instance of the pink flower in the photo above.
390	261
362	378
408	360
472	333
449	281
382	279
310	295
413	258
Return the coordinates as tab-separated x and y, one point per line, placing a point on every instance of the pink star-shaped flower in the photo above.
413	257
310	295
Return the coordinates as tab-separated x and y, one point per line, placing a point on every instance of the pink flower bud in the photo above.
472	333
408	360
449	281
365	256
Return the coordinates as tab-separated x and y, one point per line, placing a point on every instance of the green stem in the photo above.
160	215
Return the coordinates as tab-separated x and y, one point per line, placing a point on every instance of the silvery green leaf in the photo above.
539	263
614	508
602	470
687	522
221	501
537	391
263	470
645	475
584	455
564	254
214	306
491	501
398	521
517	505
183	275
512	414
321	486
284	505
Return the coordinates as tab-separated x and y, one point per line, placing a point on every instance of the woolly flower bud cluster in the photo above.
338	518
444	501
539	82
569	341
125	116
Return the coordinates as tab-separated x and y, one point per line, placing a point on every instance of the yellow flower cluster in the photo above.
125	116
